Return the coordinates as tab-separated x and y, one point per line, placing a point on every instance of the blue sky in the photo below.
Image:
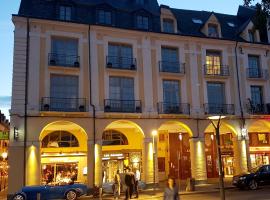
12	6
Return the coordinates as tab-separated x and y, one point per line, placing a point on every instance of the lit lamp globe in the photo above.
216	117
4	155
154	133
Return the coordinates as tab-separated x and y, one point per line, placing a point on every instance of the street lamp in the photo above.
179	151
220	166
154	134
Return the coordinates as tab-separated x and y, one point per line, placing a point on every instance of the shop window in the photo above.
59	139
113	137
161	164
263	138
161	137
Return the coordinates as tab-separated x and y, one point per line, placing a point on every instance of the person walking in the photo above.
117	185
137	179
171	191
129	181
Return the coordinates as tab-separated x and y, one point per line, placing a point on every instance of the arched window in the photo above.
113	137
60	139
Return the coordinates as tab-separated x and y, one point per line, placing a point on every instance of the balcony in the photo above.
172	67
63	104
122	106
63	60
125	63
218	109
258	109
216	70
254	73
173	108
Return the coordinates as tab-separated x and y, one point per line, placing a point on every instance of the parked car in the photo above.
68	192
257	177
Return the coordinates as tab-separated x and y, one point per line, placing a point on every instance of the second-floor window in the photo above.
64	52
168	26
105	17
256	96
213	30
213	63
65	13
170	60
254	70
120	56
171	91
216	96
121	88
142	22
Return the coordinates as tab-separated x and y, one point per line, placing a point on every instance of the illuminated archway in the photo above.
174	150
63	152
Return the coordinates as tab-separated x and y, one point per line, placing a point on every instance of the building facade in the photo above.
93	80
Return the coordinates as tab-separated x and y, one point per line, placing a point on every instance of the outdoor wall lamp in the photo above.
16	133
244	133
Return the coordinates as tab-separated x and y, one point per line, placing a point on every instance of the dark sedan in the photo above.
257	177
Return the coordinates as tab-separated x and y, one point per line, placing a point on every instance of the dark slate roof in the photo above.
124	12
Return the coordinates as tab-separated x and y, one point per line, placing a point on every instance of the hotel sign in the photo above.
4	135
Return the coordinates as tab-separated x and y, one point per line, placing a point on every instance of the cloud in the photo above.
5	103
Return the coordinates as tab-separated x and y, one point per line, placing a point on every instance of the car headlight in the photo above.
242	178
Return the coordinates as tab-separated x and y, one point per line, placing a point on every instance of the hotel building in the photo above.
94	79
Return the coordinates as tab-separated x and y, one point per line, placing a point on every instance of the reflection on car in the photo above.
257	177
45	192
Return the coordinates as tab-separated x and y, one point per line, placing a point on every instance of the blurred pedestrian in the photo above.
137	179
171	191
117	185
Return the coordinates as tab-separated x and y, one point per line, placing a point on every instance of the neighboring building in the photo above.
97	77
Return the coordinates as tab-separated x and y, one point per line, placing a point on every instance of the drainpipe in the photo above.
91	103
26	101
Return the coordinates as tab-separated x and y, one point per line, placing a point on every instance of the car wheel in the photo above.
71	195
18	197
253	185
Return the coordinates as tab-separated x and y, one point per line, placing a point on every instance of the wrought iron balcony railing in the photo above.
172	67
173	108
64	60
216	70
122	106
63	104
117	62
219	109
258	109
254	73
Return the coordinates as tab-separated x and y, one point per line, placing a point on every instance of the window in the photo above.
171	91
263	138
197	21
213	63
213	30
64	92
216	94
254	67
170	60
121	88
231	24
168	26
104	17
65	13
120	56
256	96
59	139
251	35
113	137
140	2
142	22
161	164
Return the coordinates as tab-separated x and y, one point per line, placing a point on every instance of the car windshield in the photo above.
255	169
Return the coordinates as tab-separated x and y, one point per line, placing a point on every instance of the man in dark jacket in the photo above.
130	182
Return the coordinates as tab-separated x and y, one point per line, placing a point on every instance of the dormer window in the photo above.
104	17
251	35
168	26
65	13
213	30
142	22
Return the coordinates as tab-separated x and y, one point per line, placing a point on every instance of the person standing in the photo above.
171	191
117	185
129	181
137	179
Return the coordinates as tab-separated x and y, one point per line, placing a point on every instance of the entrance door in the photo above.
211	155
179	156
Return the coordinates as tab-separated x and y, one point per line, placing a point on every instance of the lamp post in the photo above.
154	134
179	151
220	166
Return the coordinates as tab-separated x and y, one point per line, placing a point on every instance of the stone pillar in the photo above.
148	164
98	163
240	155
90	163
33	166
198	160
